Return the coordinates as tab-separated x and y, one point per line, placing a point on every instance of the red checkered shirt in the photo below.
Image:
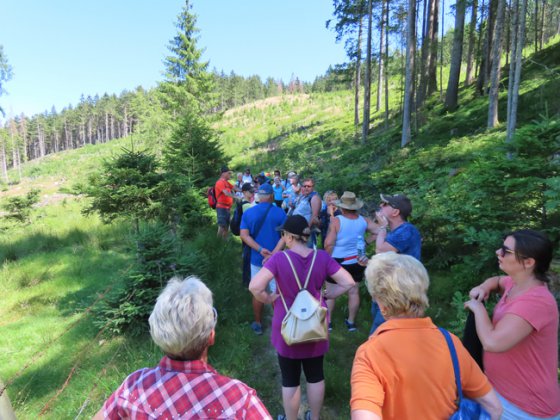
183	390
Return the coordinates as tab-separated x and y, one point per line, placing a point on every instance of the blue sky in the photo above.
60	49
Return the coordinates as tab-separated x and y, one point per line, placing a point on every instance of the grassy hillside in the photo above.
54	269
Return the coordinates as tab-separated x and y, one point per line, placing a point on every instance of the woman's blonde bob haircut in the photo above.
183	319
399	283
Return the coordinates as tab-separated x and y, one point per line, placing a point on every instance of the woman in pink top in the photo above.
521	341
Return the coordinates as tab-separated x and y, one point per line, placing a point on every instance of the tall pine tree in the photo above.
188	84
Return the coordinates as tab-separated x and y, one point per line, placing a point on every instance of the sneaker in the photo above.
330	326
257	328
350	325
308	415
281	417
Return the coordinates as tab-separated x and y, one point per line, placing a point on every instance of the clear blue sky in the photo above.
60	49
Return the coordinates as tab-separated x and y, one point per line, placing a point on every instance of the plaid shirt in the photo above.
183	390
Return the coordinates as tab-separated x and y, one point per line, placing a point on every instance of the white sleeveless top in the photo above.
347	238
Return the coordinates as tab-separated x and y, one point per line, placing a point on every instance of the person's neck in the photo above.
395	223
524	281
300	248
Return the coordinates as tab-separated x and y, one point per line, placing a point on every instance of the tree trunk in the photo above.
409	72
536	46
470	54
3	161
496	66
367	78
452	93
381	73
357	73
386	2
441	50
512	115
484	74
432	76
425	64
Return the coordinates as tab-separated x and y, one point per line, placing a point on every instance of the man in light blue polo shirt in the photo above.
258	232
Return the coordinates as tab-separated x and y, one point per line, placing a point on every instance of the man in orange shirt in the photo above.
224	196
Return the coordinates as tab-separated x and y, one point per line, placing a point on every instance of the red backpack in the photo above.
211	195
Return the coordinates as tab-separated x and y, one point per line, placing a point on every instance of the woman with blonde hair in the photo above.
404	370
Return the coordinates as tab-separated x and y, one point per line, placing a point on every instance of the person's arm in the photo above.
491	403
381	245
258	284
507	333
483	290
364	415
315	209
344	282
279	246
251	243
330	240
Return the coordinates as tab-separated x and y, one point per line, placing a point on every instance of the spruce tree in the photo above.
188	84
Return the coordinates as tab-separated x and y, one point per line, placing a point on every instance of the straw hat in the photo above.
349	201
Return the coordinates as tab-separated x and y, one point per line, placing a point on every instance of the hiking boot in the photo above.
350	325
257	328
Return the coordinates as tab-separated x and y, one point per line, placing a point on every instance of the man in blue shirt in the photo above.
258	232
403	237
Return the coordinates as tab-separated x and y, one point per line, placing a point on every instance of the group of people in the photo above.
404	370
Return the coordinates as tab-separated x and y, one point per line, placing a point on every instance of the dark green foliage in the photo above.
159	258
193	151
19	208
470	193
127	187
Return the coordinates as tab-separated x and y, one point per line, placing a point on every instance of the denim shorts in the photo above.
223	216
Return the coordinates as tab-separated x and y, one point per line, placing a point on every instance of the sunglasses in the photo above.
384	203
215	312
505	250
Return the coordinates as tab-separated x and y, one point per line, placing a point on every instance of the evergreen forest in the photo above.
102	202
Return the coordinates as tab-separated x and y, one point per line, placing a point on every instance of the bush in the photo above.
159	258
19	208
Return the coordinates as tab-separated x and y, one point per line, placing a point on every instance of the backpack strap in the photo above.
297	277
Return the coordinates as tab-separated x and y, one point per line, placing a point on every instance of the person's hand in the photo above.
382	221
273	297
363	261
474	305
331	209
478	293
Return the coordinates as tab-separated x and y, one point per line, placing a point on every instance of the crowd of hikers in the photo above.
299	247
300	252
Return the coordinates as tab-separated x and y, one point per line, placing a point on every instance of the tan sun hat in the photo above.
349	201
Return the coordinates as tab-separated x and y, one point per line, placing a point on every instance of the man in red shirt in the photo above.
183	384
224	195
